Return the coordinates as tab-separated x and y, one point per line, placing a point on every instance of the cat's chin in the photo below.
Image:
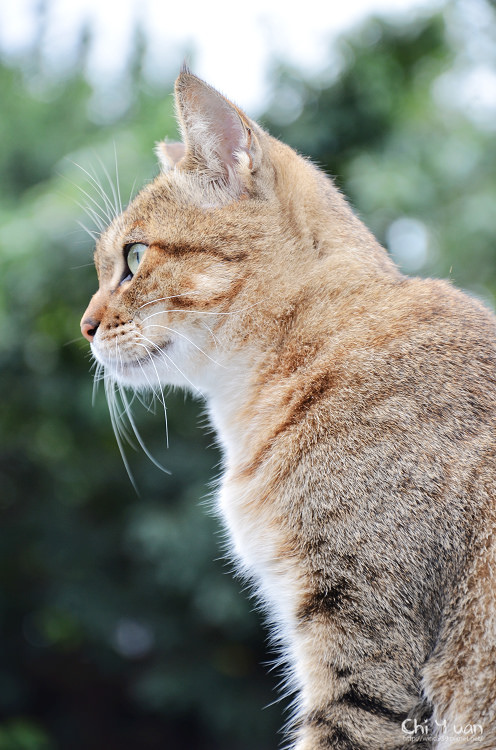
135	373
129	376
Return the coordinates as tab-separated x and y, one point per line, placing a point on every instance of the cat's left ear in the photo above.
220	140
169	153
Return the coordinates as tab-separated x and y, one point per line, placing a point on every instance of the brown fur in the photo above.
357	412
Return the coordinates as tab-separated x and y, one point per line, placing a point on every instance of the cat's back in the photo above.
432	340
435	346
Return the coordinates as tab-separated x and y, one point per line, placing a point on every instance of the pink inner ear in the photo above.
213	123
232	135
175	151
171	153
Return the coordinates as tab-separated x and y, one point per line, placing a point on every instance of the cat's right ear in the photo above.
220	140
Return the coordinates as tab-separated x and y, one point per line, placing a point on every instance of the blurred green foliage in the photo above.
121	626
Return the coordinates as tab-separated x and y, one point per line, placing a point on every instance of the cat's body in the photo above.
357	412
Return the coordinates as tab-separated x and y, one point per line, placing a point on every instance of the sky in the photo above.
229	43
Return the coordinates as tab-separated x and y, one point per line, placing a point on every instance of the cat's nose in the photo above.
88	328
92	316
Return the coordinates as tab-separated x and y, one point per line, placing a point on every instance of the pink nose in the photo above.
89	328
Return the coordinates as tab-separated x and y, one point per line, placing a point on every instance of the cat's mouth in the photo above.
126	368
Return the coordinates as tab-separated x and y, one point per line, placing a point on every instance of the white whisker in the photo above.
137	434
178	333
112	188
199	312
160	397
162	400
93	215
119	412
216	340
108	211
97	377
99	184
110	393
150	406
169	359
120	355
117	180
94	236
172	296
97	213
131	193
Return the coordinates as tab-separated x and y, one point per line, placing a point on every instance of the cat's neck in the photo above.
249	393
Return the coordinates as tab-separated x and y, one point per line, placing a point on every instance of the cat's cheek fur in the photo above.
217	282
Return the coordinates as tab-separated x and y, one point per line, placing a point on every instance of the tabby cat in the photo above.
356	410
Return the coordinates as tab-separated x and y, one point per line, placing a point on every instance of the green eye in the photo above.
135	256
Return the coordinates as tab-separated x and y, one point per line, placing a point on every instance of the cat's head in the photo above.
186	269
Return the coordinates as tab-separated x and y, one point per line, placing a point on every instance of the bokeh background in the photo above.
121	626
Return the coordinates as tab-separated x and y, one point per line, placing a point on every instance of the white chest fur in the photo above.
258	543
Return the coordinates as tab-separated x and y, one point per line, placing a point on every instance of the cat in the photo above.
356	411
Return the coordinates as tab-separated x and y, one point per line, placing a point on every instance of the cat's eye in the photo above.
134	255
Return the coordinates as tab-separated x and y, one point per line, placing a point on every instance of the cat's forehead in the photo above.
163	211
178	207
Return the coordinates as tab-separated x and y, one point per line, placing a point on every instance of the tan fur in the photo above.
356	409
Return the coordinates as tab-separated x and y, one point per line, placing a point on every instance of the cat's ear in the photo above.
169	153
220	139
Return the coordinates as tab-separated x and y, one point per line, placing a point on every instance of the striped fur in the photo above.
356	409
